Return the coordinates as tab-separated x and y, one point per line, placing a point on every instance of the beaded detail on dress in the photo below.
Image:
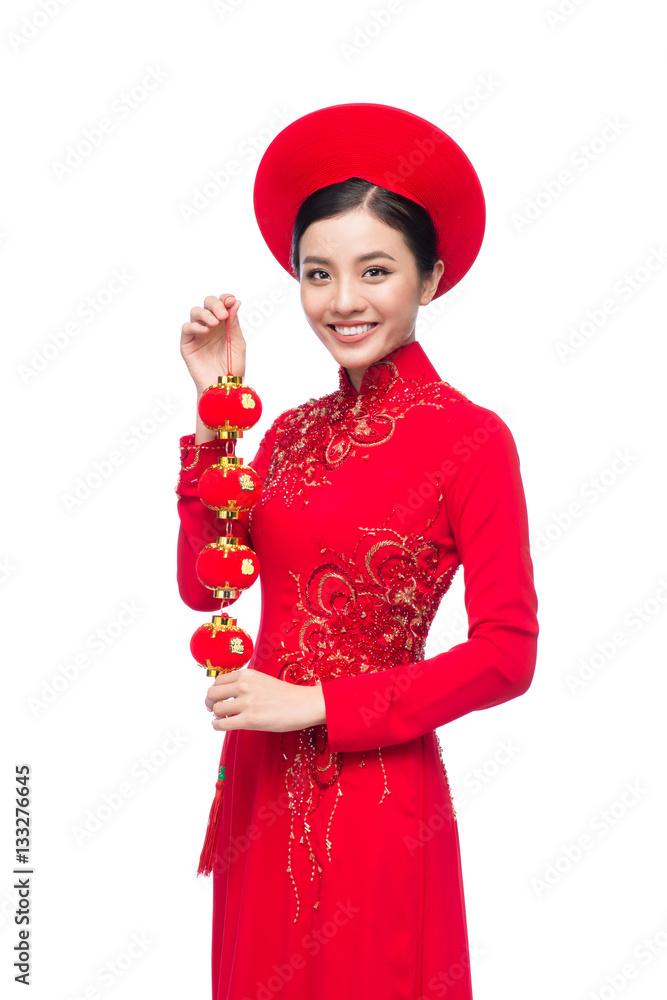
381	599
197	457
320	434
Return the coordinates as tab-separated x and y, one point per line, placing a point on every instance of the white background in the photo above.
535	93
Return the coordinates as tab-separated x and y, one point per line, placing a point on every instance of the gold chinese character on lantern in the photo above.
235	644
247	400
247	567
246	483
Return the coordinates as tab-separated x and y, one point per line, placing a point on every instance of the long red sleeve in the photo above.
486	519
198	524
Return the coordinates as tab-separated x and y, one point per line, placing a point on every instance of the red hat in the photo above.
387	146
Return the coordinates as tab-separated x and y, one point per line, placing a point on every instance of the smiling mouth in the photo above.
351	331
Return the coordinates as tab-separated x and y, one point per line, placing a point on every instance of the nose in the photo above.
346	298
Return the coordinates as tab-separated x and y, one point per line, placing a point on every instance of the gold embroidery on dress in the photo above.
320	434
381	600
444	771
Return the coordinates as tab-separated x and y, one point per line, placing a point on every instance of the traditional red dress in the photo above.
337	871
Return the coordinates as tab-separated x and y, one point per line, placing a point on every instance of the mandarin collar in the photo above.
409	362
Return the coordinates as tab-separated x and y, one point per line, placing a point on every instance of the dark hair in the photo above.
410	219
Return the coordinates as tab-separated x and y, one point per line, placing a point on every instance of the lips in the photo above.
345	338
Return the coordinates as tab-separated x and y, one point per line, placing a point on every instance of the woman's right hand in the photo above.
204	340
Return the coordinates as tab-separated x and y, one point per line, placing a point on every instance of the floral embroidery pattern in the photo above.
367	612
321	434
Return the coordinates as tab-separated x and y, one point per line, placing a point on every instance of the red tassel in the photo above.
208	850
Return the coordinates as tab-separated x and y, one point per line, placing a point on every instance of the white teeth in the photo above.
351	331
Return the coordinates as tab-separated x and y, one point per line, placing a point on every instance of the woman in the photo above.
337	868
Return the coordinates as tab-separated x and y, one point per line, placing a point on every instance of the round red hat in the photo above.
385	145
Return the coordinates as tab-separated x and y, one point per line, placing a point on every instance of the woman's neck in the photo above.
356	375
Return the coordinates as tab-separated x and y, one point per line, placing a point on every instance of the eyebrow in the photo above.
359	260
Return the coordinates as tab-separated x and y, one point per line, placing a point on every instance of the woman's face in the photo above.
358	274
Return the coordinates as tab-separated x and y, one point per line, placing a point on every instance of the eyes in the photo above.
317	270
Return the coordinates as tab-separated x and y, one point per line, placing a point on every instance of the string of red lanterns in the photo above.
226	566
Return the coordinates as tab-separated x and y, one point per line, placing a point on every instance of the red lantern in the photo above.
229	486
220	645
229	406
227	567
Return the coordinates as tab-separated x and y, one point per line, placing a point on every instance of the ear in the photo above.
430	285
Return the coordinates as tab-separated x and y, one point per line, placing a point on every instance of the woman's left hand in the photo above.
250	699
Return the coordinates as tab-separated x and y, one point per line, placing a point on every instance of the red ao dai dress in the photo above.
337	870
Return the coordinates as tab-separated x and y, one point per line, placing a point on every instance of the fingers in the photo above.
219	306
221	688
214	313
228	303
218	708
215	310
222	306
212	703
